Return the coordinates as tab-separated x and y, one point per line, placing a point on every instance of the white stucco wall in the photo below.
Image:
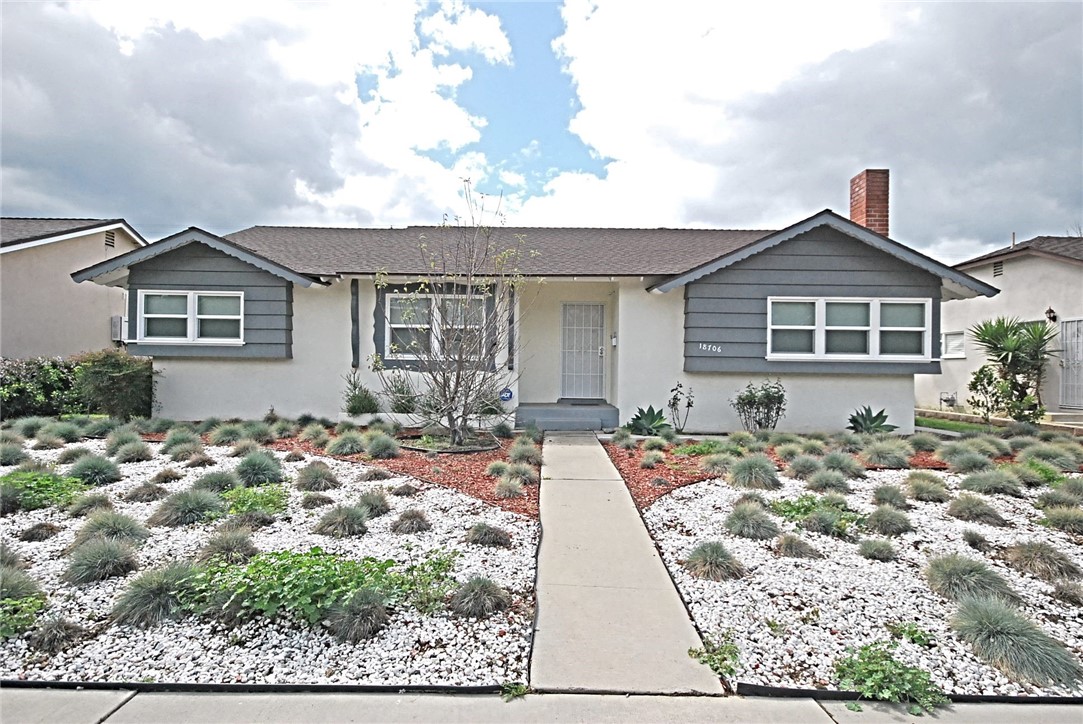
651	341
1028	286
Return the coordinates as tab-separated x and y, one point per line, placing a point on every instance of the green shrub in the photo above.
259	468
18	614
1003	638
231	546
228	433
876	549
975	510
43	386
343	521
316	476
186	508
110	525
924	441
115	383
479	597
257	431
34	490
66	431
12	454
704	447
712	561
874	673
99	559
358	399
825	480
647	422
87	504
496	468
1042	560
1068	519
864	422
54	634
348	443
975	540
381	446
270	499
888	521
95	470
750	520
927	488
217	482
39	532
1054	455
956	577
315	500
155	596
361	615
755	472
803	467
483	534
506	488
891	495
794	546
410	521
788	451
651	459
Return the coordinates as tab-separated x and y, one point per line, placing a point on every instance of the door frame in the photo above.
1064	377
603	377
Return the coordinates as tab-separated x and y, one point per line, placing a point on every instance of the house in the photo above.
840	313
1039	279
44	314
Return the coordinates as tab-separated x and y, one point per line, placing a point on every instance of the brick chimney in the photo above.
868	199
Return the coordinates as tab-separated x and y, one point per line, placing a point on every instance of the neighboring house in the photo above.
42	312
275	316
1039	279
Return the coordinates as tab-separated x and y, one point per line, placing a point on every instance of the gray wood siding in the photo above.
268	301
729	307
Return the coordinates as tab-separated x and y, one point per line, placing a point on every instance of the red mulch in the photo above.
463	471
675	471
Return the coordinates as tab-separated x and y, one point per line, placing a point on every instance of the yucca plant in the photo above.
865	421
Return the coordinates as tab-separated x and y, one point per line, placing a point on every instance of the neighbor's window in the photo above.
843	328
191	317
952	345
417	325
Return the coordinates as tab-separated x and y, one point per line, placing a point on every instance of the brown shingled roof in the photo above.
16	230
1069	247
546	251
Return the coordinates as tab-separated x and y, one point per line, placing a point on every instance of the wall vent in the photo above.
110	239
998	268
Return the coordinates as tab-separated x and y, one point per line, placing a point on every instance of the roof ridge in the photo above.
510	226
55	218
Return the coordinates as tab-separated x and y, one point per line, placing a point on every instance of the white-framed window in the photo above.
951	346
844	328
182	317
417	326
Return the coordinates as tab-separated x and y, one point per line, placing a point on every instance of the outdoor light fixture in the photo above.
613	339
1050	314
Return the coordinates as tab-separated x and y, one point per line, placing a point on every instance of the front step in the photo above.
566	417
1064	418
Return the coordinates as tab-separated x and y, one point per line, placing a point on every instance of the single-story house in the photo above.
1040	279
609	320
42	313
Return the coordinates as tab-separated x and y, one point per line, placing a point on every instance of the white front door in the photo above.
582	351
1071	379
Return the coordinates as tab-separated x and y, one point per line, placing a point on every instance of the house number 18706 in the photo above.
710	347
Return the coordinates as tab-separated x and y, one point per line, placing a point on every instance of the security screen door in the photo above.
583	351
1071	379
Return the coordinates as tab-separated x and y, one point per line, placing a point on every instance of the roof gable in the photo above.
24	233
113	272
956	285
1062	248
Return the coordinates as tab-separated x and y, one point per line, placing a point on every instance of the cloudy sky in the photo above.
586	112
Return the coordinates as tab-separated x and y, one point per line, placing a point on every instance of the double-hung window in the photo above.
419	325
803	328
409	326
173	317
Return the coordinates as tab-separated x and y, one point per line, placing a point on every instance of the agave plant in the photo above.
648	422
864	420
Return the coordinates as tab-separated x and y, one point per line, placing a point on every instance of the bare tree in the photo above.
451	330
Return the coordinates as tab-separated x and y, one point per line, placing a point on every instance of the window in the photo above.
952	346
417	328
168	317
850	329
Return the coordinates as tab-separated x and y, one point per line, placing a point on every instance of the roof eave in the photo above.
105	225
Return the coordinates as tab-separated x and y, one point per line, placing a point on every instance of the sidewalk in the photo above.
609	617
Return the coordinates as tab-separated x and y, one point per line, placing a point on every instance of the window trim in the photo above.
819	329
944	354
191	316
435	321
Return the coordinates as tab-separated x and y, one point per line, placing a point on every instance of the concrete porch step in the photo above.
567	416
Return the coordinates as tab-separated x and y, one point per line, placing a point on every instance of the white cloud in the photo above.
457	27
512	178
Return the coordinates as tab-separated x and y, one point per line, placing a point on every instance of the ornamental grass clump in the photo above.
1072	486
16	584
717	464
54	634
375	502
506	488
503	431
10	557
231	546
523	473
1067	519
348	443
118	439
84	505
46	442
813	447
973	509
888	521
111	525
95	470
496	468
381	446
826	521
711	560
955	577
651	460
296	455
993	482
804	467
187	508
843	462
257	431
891	495
527	453
227	433
249	521
72	454
483	534
260	468
790	545
755	472
975	540
988	445
155	596
970	462
1042	560
66	431
99	559
282	429
1026	475
825	480
316	476
405	490
927	488
479	597
1057	499
1003	638
892	453
360	616
923	441
179	436
12	454
788	452
410	521
315	434
343	521
133	452
199	460
620	435
750	520
1057	456
217	482
29	426
39	532
315	500
876	549
244	447
10	437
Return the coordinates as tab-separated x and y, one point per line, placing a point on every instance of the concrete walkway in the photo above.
609	617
